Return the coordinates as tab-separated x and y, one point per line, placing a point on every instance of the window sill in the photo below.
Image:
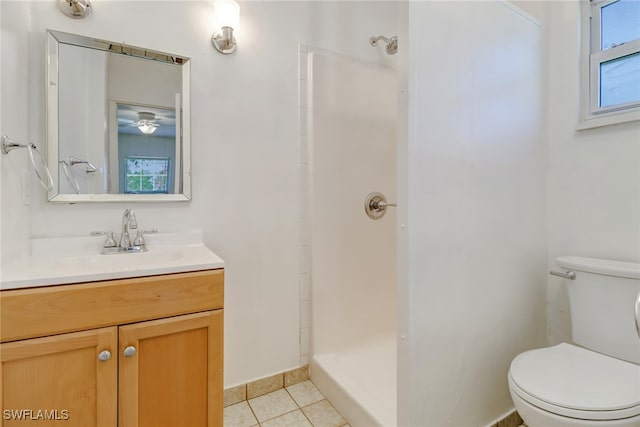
592	122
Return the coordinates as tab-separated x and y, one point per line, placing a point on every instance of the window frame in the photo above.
126	175
592	57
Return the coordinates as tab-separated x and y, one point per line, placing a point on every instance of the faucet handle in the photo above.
109	241
139	240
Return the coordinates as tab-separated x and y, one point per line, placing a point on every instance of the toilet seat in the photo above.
574	382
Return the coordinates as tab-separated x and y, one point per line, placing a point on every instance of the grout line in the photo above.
300	408
254	414
278	416
330	404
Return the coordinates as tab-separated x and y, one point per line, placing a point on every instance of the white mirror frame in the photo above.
53	39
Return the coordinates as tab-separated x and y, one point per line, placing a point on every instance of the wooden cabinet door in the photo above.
171	372
60	381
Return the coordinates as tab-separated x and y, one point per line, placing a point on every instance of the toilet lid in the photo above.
575	378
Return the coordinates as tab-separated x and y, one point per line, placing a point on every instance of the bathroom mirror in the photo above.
117	121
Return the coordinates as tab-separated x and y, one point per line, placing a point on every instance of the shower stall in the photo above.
351	134
472	190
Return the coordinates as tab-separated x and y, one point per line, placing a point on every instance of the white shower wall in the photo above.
352	118
353	141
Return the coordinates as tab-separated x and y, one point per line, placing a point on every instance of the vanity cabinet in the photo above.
129	352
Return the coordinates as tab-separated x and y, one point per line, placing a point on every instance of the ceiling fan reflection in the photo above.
147	122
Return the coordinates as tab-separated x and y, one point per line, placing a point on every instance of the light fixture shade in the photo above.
227	14
147	128
147	122
226	21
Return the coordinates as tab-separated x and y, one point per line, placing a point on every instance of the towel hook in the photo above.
89	166
9	145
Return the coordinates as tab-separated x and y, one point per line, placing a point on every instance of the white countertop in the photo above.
77	259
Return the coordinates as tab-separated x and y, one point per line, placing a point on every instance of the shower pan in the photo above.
352	116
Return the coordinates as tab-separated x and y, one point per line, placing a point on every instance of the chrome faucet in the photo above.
126	244
128	223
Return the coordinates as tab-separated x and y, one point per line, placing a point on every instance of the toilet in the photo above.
596	380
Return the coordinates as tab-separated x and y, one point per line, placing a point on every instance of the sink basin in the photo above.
139	260
79	259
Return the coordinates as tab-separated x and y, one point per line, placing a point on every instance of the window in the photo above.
146	175
613	51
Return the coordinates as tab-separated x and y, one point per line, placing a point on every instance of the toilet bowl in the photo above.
569	386
595	382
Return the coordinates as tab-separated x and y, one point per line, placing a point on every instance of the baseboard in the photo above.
265	385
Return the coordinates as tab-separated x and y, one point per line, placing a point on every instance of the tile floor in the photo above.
299	405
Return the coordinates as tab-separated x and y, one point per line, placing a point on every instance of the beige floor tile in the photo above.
322	414
305	393
272	405
239	415
292	419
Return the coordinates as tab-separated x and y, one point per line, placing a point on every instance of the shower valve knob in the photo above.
381	205
375	205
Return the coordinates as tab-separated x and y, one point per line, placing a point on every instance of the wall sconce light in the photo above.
76	9
227	19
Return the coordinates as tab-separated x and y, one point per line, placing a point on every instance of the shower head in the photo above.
392	43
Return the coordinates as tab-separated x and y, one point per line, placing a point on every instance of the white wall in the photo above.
83	106
15	21
536	9
476	214
594	175
245	145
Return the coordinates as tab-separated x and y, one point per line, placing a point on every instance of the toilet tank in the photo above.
602	299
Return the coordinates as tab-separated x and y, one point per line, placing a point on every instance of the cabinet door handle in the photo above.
129	351
104	355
